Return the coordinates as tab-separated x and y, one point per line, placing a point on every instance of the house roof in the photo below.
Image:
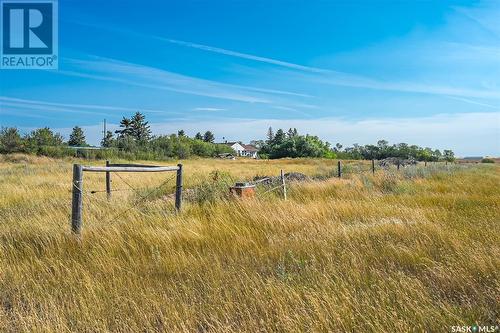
250	148
246	147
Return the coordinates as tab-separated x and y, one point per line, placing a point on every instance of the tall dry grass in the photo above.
416	250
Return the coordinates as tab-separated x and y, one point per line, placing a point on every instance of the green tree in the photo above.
77	137
436	155
292	132
44	137
258	143
448	155
270	135
181	133
279	137
126	128
108	140
198	136
140	129
10	140
127	143
425	155
208	137
294	145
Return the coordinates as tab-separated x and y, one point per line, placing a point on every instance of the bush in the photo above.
10	140
487	160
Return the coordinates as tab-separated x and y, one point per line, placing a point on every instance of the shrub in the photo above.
487	160
10	140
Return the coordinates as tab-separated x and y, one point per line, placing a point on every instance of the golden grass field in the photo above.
415	250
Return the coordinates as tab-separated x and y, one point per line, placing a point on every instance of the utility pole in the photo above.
104	131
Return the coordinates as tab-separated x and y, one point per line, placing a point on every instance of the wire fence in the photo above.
106	210
107	207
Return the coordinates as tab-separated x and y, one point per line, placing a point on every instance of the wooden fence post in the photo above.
339	167
178	188
398	164
283	183
425	163
77	202
108	182
373	166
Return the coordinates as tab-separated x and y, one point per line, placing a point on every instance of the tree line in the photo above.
134	140
400	150
292	144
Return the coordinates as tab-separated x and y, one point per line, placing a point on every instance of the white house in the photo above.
243	150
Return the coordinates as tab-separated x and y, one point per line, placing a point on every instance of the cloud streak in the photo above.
105	69
245	56
69	107
338	78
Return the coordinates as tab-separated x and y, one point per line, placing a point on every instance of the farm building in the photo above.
243	149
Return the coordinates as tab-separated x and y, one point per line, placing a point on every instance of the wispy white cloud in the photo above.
245	56
470	101
339	78
70	107
150	77
487	16
47	108
208	109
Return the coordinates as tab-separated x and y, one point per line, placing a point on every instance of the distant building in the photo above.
243	150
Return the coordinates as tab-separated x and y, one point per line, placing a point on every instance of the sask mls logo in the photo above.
28	34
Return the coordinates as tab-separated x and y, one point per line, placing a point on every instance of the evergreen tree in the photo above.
108	140
126	125
198	136
44	137
208	137
181	133
10	140
77	137
279	138
140	128
270	135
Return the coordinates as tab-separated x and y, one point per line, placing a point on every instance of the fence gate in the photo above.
77	188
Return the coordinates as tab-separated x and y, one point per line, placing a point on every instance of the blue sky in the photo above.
423	72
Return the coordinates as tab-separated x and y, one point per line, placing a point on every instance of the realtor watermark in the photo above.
475	328
28	34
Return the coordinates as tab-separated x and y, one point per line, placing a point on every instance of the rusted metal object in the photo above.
243	190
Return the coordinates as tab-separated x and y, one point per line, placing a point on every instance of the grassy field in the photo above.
414	250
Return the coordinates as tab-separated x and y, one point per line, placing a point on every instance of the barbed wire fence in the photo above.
91	200
90	197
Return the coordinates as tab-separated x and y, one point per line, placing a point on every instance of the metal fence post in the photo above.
282	175
77	202
108	182
178	188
